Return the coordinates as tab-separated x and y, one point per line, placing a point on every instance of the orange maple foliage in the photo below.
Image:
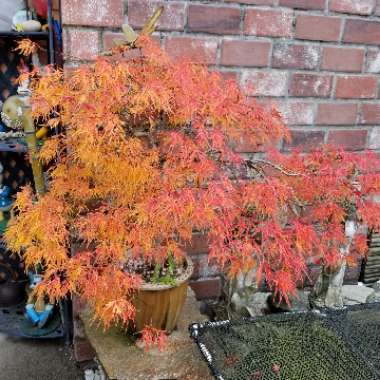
146	155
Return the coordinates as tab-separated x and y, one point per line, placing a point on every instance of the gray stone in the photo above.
298	303
257	304
356	294
376	286
123	360
375	297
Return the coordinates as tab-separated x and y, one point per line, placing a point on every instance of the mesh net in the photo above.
327	345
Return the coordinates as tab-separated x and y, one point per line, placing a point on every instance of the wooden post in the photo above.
31	140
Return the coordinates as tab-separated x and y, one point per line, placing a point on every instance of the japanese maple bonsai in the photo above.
147	154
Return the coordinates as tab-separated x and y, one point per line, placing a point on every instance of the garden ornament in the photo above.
38	312
16	114
11	117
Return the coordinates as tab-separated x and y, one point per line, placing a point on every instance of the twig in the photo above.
251	164
131	37
150	26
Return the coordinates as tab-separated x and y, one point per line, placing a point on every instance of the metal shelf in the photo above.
14	34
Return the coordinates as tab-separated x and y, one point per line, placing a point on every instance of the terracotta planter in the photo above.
160	305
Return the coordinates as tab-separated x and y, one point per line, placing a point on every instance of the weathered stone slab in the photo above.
122	360
356	294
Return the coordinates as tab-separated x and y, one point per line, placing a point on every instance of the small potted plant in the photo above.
146	154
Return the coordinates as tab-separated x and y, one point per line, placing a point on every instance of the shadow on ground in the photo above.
22	359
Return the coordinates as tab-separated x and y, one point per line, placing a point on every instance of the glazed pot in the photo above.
159	305
12	290
12	293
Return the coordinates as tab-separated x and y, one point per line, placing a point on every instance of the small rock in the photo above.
258	304
94	374
297	304
375	297
356	294
376	286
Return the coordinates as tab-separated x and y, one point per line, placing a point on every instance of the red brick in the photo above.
201	49
352	274
342	59
110	39
202	268
370	113
229	75
356	87
244	144
172	18
252	2
361	7
207	288
305	140
374	139
304	4
83	351
336	114
373	61
199	244
83	44
362	32
268	22
296	112
92	12
265	83
289	56
218	20
245	53
349	139
318	28
317	85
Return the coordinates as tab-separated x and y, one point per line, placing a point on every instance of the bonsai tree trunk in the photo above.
327	291
238	292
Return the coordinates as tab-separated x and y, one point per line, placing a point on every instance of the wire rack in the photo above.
314	345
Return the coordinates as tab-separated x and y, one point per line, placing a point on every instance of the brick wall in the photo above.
318	61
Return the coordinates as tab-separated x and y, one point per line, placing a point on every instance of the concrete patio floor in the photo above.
22	359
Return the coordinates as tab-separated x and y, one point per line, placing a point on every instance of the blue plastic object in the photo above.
45	315
31	314
3	128
37	318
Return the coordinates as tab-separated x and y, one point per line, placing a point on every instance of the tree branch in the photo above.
251	164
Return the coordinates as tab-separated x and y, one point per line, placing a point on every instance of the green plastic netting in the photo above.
317	345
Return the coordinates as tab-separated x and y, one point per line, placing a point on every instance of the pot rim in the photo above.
185	276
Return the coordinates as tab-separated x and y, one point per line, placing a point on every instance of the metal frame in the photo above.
333	317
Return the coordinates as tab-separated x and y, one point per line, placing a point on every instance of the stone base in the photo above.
123	360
